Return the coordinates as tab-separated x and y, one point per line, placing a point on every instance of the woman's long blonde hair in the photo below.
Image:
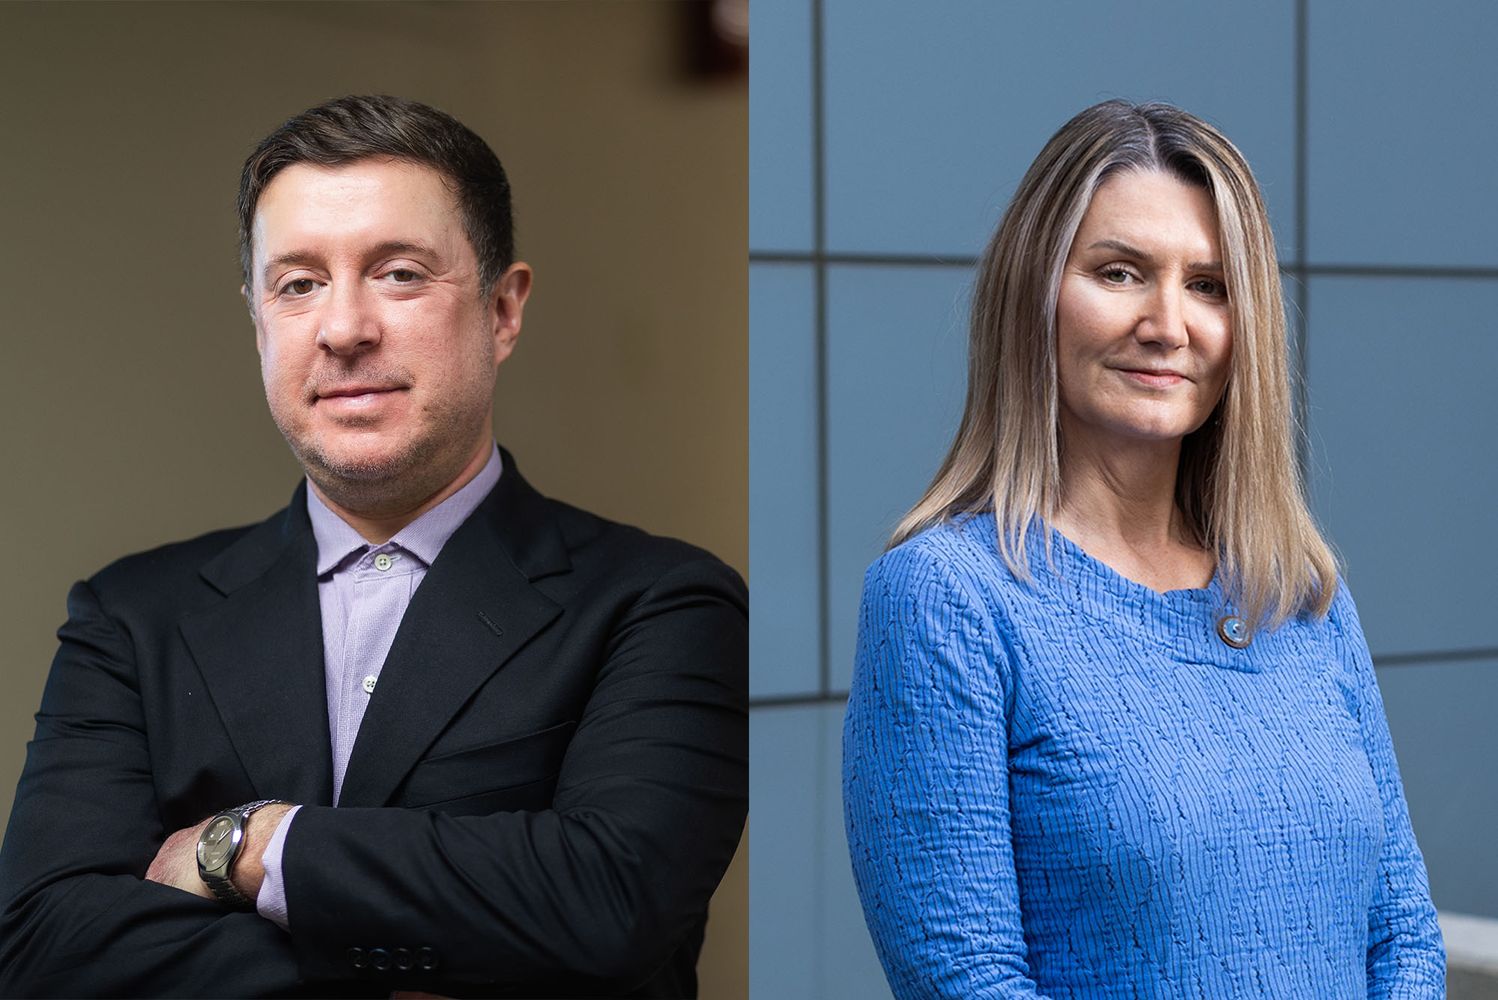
1238	484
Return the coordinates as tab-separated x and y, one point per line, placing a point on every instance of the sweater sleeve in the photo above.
1406	958
925	785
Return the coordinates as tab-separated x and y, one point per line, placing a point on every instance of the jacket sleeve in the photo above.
926	788
1405	954
604	886
78	919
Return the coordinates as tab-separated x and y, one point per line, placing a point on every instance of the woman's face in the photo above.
1143	338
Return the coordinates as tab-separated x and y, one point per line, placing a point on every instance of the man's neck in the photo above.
379	526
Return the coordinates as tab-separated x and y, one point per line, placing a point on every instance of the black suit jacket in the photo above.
546	788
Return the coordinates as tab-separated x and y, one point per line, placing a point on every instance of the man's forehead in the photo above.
346	198
310	213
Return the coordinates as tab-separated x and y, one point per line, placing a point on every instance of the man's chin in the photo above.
363	466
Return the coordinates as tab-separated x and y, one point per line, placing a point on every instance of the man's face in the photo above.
377	351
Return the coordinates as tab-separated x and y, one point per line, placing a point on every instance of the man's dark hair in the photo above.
347	129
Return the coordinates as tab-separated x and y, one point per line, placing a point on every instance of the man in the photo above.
424	729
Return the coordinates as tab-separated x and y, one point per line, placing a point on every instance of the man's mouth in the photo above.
354	399
356	391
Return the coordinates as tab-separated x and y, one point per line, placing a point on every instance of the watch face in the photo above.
217	843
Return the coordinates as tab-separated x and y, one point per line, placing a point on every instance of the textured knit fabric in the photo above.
1072	787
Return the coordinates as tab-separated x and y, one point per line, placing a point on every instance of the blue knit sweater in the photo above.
1074	788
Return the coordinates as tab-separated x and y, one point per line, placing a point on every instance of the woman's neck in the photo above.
1119	506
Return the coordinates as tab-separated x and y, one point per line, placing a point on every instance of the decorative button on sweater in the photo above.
1074	787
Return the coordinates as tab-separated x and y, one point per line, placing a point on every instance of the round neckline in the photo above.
1181	624
1098	590
1121	585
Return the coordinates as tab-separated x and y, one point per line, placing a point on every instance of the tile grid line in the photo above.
1302	398
819	245
824	514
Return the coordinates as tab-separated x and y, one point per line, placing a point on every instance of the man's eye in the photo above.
403	276
299	286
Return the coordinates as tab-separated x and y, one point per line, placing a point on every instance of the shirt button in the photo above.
369	684
383	562
1234	631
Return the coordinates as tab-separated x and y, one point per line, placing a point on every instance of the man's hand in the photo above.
176	864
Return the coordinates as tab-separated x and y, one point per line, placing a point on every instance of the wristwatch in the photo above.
218	848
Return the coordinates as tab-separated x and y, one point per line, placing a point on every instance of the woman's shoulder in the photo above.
961	554
1339	622
938	602
1344	628
1343	613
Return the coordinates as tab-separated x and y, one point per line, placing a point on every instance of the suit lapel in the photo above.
261	654
474	610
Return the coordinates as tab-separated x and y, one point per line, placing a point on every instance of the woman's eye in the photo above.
299	286
1208	286
1115	275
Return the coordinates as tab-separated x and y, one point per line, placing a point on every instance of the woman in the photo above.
1114	729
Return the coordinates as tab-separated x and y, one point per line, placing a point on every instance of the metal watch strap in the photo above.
220	885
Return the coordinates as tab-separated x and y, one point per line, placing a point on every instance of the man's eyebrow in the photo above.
300	258
1138	254
414	247
294	259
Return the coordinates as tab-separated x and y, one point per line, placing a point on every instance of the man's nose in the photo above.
348	324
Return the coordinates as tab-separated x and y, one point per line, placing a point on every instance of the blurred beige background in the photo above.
132	408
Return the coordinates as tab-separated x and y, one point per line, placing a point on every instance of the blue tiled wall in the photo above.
1403	415
896	369
783	562
1402	139
806	929
863	239
780	127
933	111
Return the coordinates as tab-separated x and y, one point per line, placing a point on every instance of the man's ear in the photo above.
244	293
506	305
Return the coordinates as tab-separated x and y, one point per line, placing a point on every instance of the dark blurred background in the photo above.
132	408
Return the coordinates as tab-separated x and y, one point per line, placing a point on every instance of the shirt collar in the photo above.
423	537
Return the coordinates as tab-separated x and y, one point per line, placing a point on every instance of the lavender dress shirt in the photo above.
364	591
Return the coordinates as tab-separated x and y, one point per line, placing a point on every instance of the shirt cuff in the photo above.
271	902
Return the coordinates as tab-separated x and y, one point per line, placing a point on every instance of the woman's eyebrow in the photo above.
1129	250
1123	248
